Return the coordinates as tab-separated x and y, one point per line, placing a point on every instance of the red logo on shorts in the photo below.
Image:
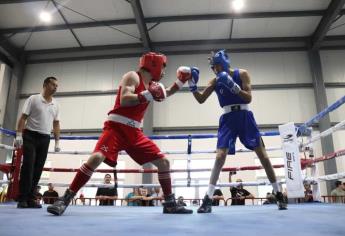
104	148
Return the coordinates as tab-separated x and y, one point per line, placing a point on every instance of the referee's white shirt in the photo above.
41	114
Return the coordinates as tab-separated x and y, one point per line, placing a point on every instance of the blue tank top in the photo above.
225	97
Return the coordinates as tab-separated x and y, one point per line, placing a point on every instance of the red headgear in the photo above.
153	63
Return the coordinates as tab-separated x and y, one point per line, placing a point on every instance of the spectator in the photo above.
338	194
270	199
133	198
195	202
180	201
50	195
37	195
146	199
82	198
217	195
238	194
308	193
107	195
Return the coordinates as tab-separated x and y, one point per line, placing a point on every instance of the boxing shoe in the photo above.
206	206
281	201
34	204
171	207
60	205
22	204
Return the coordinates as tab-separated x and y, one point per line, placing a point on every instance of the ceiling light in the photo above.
237	4
45	17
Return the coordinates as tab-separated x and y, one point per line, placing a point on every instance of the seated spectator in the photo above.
195	202
107	195
146	199
308	193
50	195
270	199
180	201
217	195
133	198
238	194
338	194
37	194
82	198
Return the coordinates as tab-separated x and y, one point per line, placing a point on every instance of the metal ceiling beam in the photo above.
139	18
169	19
8	52
86	48
170	52
19	1
67	23
175	43
71	25
333	10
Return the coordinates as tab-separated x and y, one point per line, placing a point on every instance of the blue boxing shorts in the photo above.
238	124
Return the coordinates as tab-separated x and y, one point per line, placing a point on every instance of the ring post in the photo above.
292	164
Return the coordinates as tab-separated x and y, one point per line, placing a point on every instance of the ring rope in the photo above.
165	152
325	133
153	137
6	147
321	114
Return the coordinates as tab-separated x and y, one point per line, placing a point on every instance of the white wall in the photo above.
269	106
5	77
265	68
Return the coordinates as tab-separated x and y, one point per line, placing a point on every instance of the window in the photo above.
197	178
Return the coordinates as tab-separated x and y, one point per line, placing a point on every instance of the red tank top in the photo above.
133	112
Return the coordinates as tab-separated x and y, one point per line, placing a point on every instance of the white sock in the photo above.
210	190
276	187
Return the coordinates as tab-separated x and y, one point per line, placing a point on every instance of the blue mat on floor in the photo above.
301	219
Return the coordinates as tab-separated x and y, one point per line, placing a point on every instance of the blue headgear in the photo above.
221	58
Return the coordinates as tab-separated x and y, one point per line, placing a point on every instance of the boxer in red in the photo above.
122	130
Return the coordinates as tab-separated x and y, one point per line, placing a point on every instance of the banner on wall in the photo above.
292	164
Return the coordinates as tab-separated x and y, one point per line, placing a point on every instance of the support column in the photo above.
327	145
148	130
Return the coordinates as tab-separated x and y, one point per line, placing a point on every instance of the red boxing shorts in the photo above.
117	137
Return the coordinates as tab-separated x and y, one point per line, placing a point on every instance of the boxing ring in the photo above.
300	219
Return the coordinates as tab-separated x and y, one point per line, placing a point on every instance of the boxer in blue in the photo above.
233	90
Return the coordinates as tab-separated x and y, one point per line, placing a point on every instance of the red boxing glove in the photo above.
183	74
156	91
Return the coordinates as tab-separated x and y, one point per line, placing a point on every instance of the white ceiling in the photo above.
26	15
185	7
338	30
97	9
275	27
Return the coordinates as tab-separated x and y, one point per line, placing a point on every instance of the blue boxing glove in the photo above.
193	81
226	80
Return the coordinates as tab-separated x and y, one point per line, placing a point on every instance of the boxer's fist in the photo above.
183	74
226	80
156	91
193	81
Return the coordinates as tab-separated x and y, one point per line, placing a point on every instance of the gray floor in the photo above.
302	219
